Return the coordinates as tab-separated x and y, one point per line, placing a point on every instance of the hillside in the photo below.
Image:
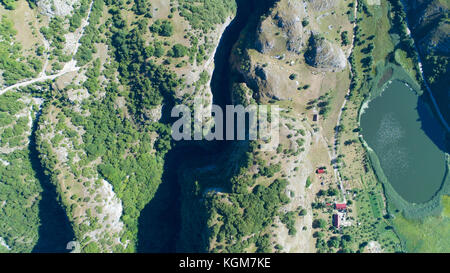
429	24
93	157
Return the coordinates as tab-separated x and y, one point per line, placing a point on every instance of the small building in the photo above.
320	171
336	220
315	117
340	206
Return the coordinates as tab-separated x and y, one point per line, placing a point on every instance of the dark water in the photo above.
408	140
55	230
160	221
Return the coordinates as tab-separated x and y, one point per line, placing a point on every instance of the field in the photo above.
428	235
374	204
446	205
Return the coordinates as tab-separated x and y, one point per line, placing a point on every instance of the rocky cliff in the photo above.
430	28
291	30
324	54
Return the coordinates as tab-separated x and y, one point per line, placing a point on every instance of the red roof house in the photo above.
319	171
340	206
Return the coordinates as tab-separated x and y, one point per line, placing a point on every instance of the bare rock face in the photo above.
53	8
325	55
270	82
267	81
290	20
283	28
265	41
321	5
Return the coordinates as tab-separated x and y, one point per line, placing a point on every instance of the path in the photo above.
70	66
334	154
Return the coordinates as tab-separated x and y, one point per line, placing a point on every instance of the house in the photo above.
340	206
320	171
336	220
339	220
315	117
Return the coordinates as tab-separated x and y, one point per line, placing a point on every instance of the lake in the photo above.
408	141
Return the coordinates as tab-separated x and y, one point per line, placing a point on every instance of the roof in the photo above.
341	206
320	171
336	220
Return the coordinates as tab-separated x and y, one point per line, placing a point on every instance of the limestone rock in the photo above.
265	37
53	8
325	55
321	5
290	20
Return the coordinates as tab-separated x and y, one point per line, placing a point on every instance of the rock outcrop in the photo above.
325	55
283	29
265	40
270	83
321	5
290	20
56	7
267	81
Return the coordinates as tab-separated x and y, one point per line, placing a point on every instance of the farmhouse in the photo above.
336	220
340	220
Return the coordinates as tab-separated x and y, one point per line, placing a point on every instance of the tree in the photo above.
319	223
9	4
332	192
162	28
179	51
302	212
159	50
318	234
344	38
166	28
333	242
305	22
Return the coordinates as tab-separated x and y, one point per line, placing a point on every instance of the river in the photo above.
160	221
408	141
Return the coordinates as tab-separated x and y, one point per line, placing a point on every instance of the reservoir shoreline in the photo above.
410	209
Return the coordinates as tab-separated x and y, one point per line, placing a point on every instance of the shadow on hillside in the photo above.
430	124
55	230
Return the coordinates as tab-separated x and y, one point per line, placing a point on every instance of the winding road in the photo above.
70	66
